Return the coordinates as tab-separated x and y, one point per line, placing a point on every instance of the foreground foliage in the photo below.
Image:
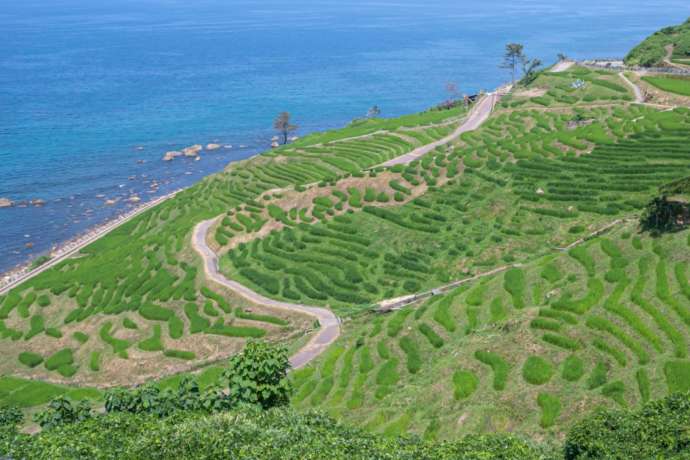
245	434
658	430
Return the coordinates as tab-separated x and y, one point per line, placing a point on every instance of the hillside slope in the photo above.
655	48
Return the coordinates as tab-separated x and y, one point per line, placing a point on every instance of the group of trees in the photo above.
257	376
515	59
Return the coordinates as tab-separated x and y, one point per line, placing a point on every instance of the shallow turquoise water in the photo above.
93	93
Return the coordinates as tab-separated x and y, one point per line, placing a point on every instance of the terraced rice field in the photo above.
318	222
676	85
577	86
133	305
527	350
497	197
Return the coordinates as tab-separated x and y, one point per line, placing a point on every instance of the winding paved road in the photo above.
329	324
477	116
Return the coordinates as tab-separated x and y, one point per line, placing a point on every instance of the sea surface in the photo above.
94	92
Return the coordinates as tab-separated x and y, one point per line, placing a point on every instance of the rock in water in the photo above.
172	154
134	199
192	151
6	203
38	202
212	146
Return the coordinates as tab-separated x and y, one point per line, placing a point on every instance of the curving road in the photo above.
329	325
477	116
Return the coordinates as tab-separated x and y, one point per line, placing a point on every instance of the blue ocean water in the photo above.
92	93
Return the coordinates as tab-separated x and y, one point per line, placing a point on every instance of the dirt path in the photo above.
639	97
562	66
668	59
474	120
396	304
329	325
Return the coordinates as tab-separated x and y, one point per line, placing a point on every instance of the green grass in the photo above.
676	85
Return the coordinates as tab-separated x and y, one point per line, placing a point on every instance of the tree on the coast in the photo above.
514	56
374	112
283	126
529	70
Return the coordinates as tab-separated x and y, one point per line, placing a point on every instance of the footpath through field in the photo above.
329	325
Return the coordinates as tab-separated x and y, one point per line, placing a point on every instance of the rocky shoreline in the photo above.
15	276
193	151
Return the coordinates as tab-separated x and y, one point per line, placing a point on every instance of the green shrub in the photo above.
514	284
152	343
59	358
80	337
366	363
561	341
175	327
388	373
599	375
43	301
247	433
30	359
550	409
119	345
657	430
465	383
154	312
551	273
537	370
95	361
258	375
414	358
54	332
499	366
129	324
434	339
197	322
573	368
